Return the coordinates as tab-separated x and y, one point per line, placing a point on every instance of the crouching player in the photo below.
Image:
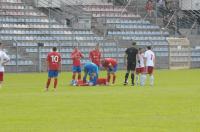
91	69
110	65
53	66
140	69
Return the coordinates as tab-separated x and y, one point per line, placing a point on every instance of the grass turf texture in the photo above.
172	105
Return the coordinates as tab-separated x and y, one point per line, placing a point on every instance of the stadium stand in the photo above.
24	24
121	24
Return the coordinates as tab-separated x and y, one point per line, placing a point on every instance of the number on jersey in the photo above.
54	59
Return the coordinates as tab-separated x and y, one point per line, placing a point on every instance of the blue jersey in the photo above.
90	68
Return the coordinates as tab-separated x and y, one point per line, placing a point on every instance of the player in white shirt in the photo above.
3	60
149	63
140	69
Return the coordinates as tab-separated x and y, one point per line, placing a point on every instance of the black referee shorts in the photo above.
131	66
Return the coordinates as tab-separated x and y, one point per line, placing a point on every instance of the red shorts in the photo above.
149	69
1	76
140	70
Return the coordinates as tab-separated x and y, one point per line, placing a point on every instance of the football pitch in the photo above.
172	105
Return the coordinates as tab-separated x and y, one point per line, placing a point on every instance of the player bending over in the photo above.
110	65
4	59
53	67
140	69
149	62
90	69
76	56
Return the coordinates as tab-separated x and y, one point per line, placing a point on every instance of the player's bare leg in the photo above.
47	84
114	78
108	77
73	78
55	84
79	76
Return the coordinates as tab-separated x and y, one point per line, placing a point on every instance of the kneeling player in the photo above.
53	66
140	69
91	69
110	65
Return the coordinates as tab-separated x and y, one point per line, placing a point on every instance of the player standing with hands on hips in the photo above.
130	62
149	62
4	59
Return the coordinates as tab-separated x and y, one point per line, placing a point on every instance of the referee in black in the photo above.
130	62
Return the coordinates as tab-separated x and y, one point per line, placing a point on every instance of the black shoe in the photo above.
132	84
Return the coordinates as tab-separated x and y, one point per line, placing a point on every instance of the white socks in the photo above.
143	79
137	79
151	80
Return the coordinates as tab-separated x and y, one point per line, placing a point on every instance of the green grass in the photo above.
172	105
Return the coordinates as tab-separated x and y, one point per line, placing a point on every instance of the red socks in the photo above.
48	83
55	82
79	76
114	77
108	77
74	76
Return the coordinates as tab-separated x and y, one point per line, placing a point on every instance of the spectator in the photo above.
149	7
